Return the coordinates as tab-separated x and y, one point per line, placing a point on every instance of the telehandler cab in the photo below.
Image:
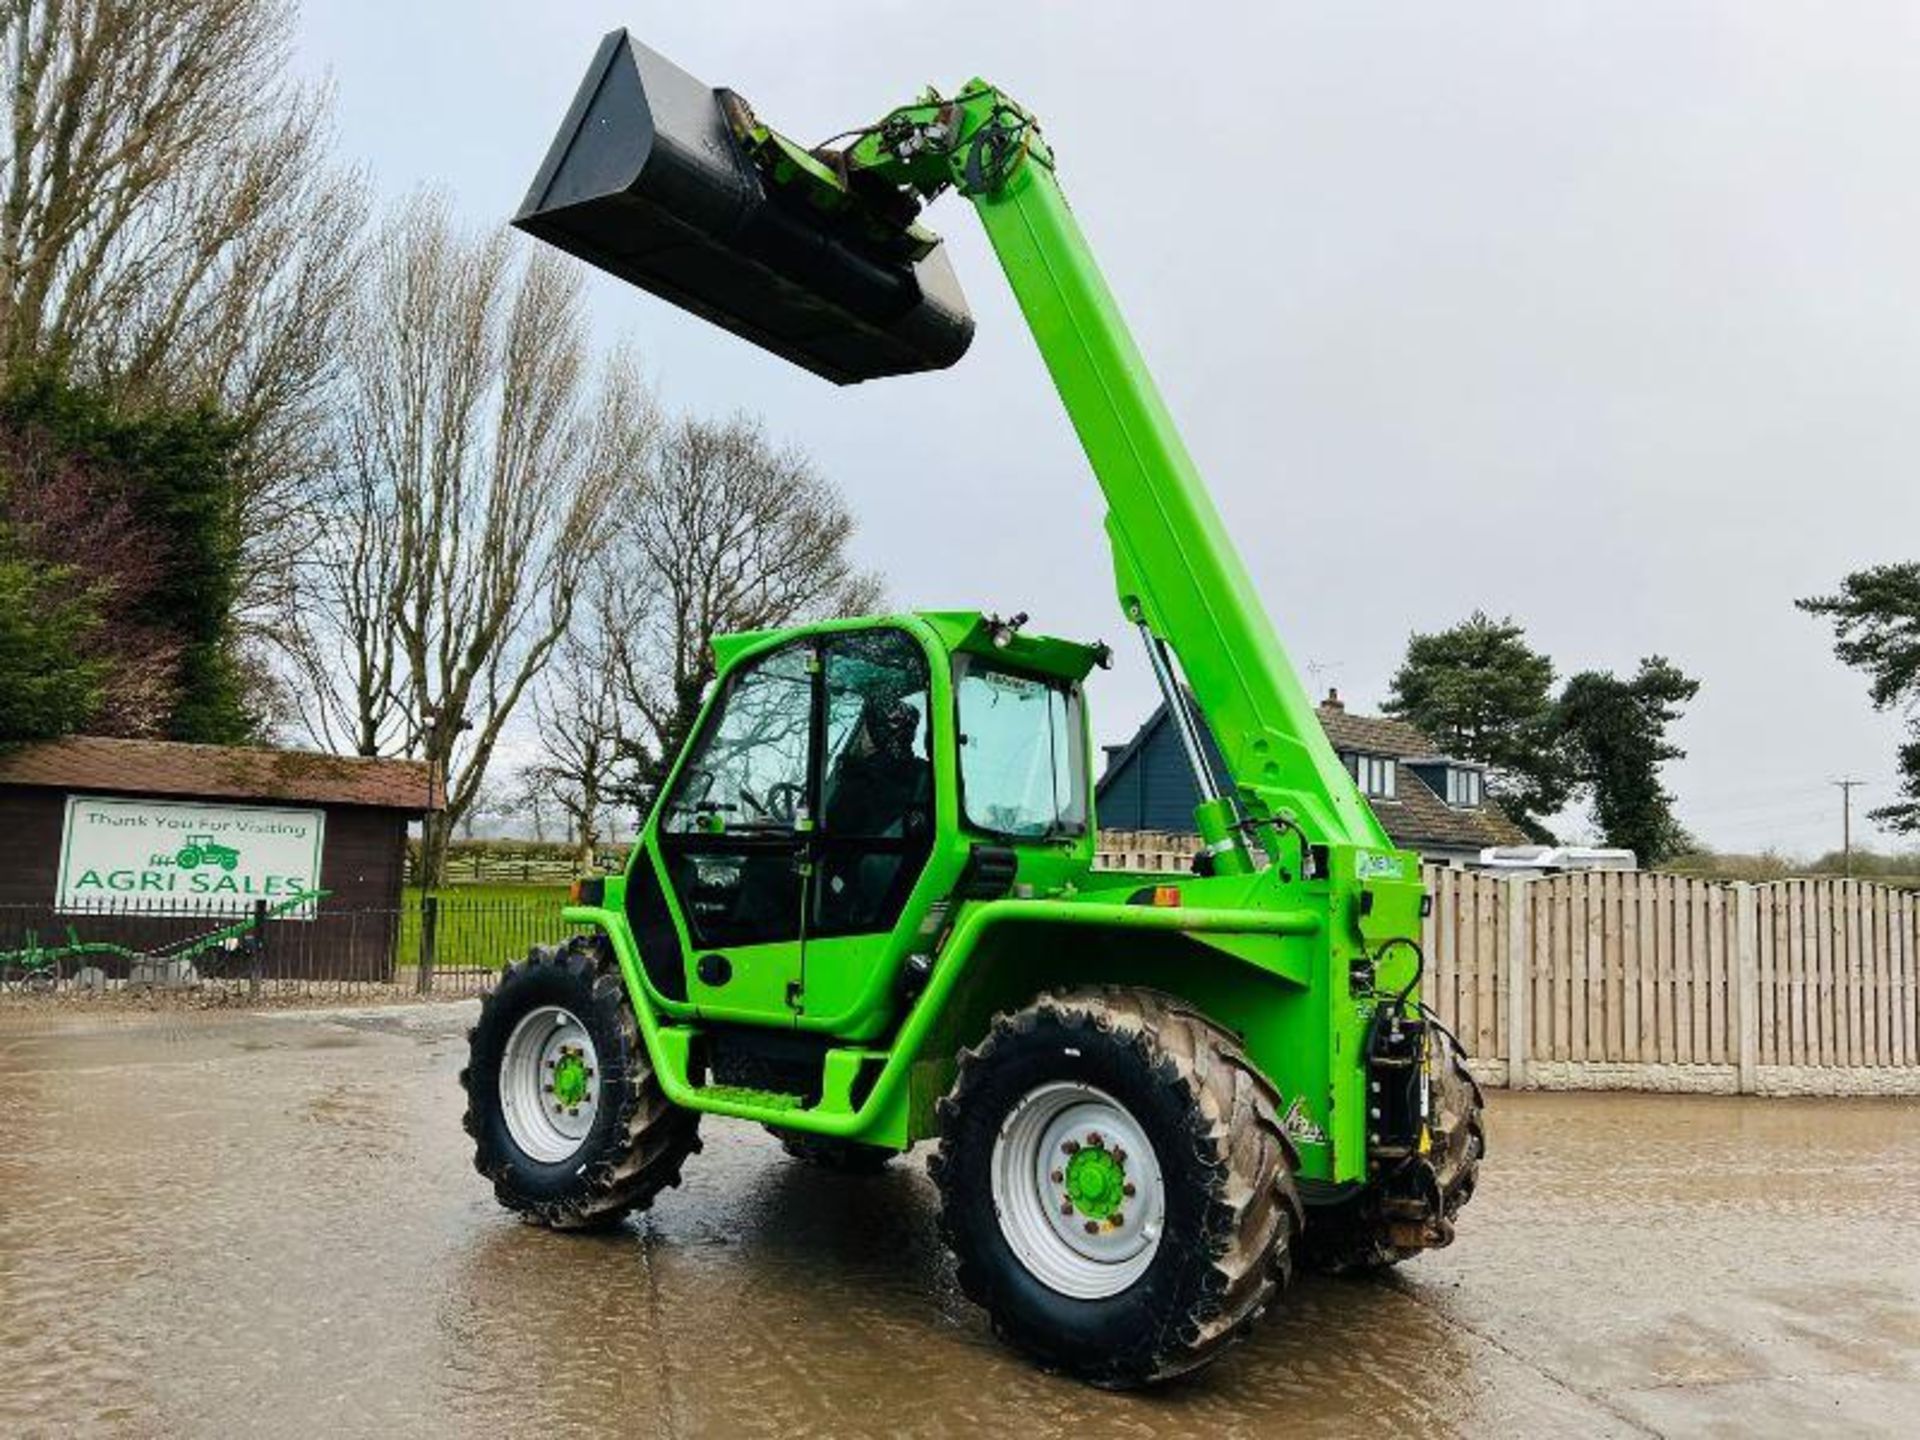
863	911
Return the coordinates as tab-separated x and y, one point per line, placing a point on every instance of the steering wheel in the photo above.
781	803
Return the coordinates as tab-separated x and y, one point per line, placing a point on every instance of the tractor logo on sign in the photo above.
1300	1127
205	850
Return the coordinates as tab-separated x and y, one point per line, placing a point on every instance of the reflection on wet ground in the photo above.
219	1224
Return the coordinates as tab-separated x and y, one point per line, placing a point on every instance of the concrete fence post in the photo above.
1519	983
1746	985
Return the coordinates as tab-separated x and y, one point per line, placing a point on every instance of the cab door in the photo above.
733	840
874	826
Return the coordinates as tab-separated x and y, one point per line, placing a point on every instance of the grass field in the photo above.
484	926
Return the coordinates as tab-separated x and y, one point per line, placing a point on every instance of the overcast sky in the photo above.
1602	316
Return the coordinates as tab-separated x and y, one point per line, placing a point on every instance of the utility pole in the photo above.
1846	788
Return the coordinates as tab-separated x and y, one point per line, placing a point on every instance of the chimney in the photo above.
1333	700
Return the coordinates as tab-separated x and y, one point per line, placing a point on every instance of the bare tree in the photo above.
724	532
578	716
481	461
490	802
530	798
170	227
337	631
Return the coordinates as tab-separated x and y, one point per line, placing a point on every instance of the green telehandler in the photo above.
863	910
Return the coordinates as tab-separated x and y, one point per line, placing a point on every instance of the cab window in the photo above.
1022	768
876	782
748	772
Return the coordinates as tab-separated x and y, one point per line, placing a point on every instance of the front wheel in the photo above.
1115	1184
567	1117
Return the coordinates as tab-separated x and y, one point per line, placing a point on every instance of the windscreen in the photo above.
1022	769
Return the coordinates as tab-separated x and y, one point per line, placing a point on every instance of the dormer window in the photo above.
1374	773
1466	789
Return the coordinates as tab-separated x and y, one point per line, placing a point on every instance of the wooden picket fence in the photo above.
1648	970
1609	979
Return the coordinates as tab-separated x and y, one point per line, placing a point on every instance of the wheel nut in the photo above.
1127	1189
1120	1154
1058	1177
1096	1139
1118	1219
1066	1207
1072	1147
1093	1227
574	1111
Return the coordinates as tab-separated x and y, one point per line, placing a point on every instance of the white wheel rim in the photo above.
549	1084
1063	1214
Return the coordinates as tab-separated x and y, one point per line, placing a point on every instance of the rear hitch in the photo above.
1399	1131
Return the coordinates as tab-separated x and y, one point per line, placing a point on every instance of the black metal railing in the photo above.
431	946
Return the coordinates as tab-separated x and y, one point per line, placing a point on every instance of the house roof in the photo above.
1416	817
222	772
1374	734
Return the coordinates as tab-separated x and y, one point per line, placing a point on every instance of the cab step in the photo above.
747	1095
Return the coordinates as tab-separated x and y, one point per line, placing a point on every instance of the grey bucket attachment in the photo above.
646	181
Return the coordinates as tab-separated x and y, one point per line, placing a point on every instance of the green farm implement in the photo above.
863	911
38	966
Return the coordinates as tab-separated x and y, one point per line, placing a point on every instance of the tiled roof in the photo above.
222	772
1375	734
1415	818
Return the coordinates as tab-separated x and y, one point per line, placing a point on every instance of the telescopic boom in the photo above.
817	255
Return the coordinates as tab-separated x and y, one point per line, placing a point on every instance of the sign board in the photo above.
186	855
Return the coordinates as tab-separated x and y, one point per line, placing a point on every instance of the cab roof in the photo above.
966	632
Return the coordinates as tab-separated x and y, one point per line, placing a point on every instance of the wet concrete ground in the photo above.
267	1225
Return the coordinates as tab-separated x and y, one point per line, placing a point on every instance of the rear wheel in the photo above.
1115	1184
567	1117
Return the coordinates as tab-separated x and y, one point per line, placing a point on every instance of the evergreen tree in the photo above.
1480	692
1876	627
169	475
45	622
1614	734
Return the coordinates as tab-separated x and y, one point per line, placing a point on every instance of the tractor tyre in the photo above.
846	1157
1352	1236
568	1119
1116	1185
